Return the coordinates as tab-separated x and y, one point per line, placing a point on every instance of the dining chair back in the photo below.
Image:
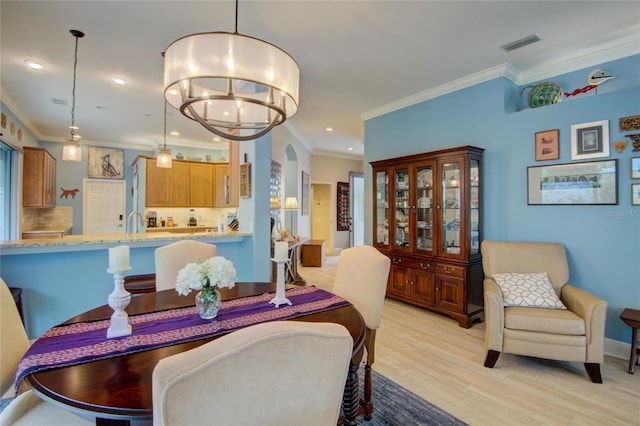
170	259
274	373
13	338
27	408
361	278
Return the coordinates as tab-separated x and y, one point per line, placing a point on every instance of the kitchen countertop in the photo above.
102	241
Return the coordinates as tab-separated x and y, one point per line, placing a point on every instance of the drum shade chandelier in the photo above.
163	160
71	150
229	82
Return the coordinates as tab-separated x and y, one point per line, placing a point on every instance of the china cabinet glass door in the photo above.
450	202
424	204
382	208
403	208
474	177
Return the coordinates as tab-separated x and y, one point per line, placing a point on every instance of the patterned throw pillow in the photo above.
528	290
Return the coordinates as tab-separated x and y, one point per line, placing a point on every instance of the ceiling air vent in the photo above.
59	101
522	42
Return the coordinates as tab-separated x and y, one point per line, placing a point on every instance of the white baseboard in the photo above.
617	349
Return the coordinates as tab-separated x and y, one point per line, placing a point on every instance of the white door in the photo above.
356	209
104	206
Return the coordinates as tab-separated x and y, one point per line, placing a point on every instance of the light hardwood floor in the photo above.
433	357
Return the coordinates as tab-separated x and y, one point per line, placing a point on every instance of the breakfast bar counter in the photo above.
63	276
101	241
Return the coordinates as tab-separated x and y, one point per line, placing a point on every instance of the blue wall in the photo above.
603	242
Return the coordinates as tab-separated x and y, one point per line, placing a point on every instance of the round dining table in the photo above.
118	390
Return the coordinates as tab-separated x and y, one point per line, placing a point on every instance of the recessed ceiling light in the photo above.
33	64
328	129
350	148
216	139
118	81
174	133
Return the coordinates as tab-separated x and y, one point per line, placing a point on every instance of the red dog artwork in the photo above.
66	192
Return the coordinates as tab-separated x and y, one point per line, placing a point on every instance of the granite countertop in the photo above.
101	241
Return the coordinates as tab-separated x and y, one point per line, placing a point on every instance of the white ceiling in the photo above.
357	58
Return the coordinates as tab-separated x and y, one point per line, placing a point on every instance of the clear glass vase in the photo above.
208	303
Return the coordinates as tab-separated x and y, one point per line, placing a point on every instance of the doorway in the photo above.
104	206
321	213
356	209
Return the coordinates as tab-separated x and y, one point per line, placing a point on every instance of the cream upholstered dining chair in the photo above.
173	257
361	278
27	408
563	323
273	373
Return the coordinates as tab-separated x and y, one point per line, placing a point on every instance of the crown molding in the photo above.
12	106
443	89
620	48
333	154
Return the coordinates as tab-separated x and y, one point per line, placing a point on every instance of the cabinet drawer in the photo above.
454	271
424	265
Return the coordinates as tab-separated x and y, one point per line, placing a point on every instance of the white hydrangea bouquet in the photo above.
206	277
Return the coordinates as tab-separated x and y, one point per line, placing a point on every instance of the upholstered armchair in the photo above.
525	319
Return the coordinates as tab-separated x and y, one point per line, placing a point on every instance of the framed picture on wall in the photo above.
547	145
593	182
105	163
245	180
305	194
590	140
344	219
635	168
635	194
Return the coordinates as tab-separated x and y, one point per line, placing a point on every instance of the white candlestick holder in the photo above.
280	298
118	300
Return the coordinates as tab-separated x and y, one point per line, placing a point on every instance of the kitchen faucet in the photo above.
133	213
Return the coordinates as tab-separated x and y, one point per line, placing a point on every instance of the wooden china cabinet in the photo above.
427	218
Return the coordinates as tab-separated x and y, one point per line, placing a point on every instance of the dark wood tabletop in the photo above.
120	388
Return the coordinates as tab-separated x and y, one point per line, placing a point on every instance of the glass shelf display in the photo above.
382	208
428	221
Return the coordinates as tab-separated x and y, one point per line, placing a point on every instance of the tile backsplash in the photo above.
59	218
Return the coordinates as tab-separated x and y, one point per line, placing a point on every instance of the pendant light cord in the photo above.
73	93
165	125
236	17
77	34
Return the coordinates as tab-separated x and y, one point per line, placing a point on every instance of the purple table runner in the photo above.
82	342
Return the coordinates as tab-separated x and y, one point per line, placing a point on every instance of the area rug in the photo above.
395	405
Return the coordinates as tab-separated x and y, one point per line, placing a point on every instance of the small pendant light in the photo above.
163	160
71	150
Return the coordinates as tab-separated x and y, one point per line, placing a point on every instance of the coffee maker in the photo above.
152	219
192	218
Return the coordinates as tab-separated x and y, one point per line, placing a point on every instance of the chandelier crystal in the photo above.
229	83
71	150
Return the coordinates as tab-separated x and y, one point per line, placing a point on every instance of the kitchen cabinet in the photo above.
427	219
202	189
168	187
38	178
191	184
